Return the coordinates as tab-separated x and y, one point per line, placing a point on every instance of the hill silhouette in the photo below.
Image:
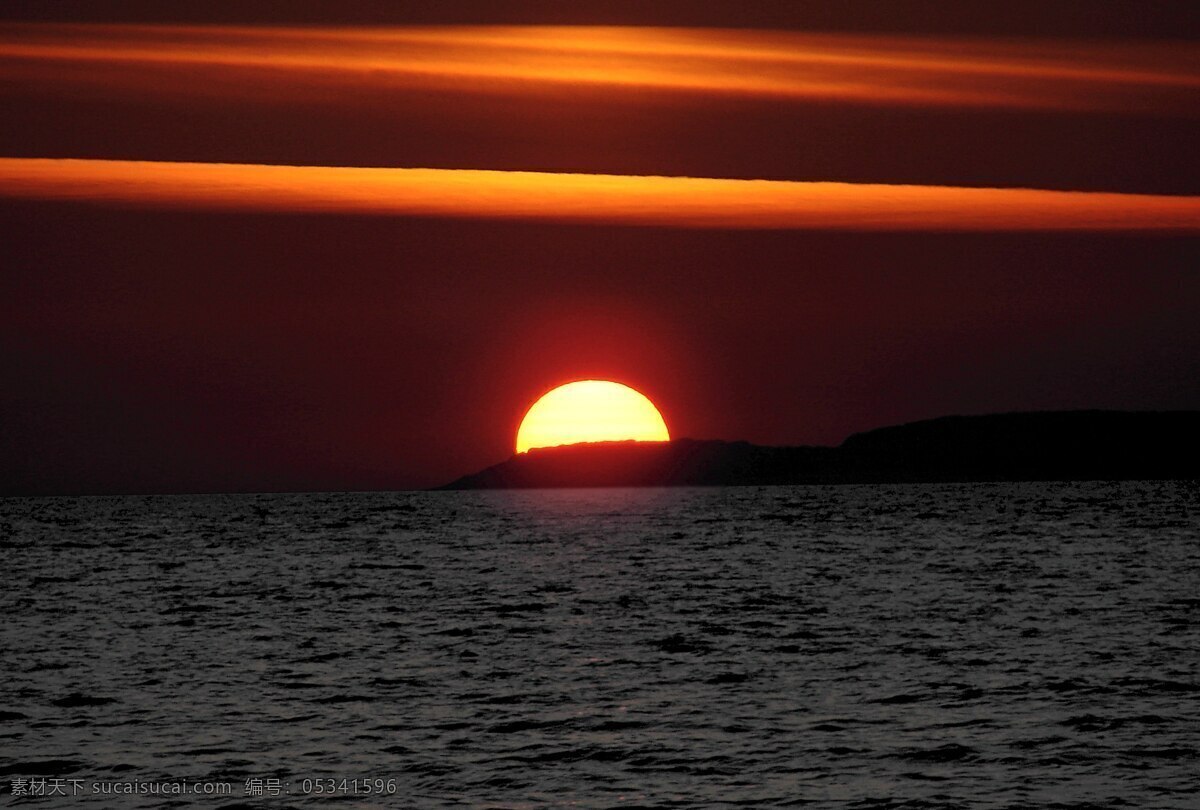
1036	446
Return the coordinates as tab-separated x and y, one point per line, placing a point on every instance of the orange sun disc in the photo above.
591	411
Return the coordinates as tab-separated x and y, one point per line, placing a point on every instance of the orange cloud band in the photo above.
683	202
1161	77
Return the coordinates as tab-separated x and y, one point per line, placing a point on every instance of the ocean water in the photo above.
1006	645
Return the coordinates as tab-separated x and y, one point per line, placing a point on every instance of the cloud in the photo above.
679	202
274	61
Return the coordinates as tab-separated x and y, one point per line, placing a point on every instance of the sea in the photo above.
916	646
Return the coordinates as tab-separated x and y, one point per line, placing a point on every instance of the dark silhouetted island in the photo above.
1041	446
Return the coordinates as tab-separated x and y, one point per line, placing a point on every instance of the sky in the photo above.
308	248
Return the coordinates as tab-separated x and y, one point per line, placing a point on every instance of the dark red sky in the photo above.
150	349
1163	19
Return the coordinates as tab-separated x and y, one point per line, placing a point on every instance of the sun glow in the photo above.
590	411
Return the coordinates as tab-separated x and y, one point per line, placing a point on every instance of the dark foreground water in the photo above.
860	647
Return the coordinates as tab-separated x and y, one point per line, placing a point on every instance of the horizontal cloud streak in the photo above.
683	202
891	70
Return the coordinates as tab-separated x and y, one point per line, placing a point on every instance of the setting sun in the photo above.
590	411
